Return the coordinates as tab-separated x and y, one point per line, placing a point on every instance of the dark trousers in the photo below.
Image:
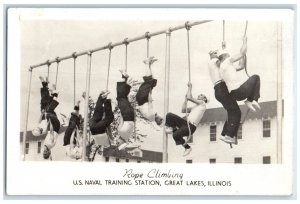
144	90
97	124
44	98
248	90
180	127
232	123
126	109
73	123
51	115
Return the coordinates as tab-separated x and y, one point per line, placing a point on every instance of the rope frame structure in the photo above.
89	53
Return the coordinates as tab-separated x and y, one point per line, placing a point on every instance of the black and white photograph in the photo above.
149	102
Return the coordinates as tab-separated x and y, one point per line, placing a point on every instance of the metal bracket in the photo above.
125	41
74	55
187	26
147	36
110	47
57	59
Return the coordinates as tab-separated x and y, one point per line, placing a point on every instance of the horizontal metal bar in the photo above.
190	24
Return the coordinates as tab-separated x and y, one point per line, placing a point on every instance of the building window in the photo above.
39	147
106	159
212	161
267	160
117	160
240	132
139	161
27	148
189	161
127	160
238	160
266	128
213	133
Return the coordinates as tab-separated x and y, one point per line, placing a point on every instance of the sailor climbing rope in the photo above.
249	90
183	127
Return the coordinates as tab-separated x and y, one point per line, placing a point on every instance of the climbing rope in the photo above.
48	66
74	57
147	37
245	65
188	27
245	57
57	63
223	42
125	41
110	47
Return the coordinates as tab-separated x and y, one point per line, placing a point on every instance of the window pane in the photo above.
213	132
27	148
240	131
213	129
212	161
238	160
266	123
189	161
117	160
106	159
39	147
267	133
267	160
266	128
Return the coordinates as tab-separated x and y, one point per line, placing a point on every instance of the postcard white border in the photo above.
24	178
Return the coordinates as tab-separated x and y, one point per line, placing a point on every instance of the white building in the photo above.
257	141
112	154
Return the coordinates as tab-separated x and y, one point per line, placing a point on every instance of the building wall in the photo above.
252	147
59	153
33	154
121	160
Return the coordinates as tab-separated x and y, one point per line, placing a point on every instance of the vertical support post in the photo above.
279	93
86	105
166	94
27	113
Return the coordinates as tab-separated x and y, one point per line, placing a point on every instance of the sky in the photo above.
43	39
